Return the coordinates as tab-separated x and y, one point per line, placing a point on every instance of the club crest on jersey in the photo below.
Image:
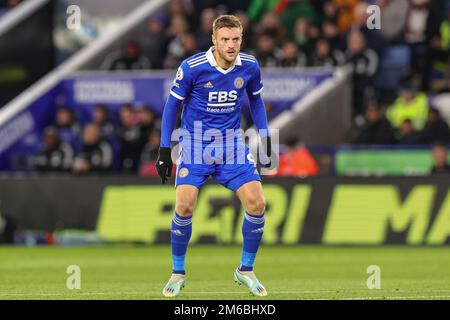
238	82
184	172
208	85
180	74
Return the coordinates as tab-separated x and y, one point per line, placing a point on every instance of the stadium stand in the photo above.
410	52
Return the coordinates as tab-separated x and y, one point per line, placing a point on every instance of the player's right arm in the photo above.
180	89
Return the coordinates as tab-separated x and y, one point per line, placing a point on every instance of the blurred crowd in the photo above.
400	72
127	142
410	49
402	64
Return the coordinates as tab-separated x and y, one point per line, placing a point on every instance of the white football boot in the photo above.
248	278
174	286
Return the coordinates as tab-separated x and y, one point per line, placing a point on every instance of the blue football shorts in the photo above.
230	168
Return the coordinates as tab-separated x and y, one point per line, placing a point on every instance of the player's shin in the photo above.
252	231
181	230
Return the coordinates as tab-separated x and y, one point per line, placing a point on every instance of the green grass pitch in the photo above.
301	272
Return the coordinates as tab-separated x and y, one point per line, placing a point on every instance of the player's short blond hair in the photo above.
226	21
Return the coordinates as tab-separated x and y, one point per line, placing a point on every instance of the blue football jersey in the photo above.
214	95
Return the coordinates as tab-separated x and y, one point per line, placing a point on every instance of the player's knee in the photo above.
257	206
184	208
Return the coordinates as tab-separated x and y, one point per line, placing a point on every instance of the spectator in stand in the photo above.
222	6
292	57
377	129
258	8
129	134
154	41
182	8
198	6
297	161
233	5
330	11
267	53
68	129
440	159
272	26
55	156
436	129
409	105
101	118
437	37
444	33
290	13
247	40
346	14
364	62
374	38
189	48
146	121
203	35
313	37
323	55
393	19
416	30
407	134
96	155
178	28
301	36
150	154
330	32
438	52
130	59
416	21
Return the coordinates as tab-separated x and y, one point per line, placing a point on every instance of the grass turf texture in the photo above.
310	272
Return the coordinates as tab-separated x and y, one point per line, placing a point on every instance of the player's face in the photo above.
228	43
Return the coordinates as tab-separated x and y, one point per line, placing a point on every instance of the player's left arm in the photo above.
258	109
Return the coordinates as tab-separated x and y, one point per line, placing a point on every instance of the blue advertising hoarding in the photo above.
20	136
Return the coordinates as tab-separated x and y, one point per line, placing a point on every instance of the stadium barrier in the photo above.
329	107
383	160
19	14
322	210
82	90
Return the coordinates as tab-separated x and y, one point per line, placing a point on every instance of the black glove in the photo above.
164	164
267	149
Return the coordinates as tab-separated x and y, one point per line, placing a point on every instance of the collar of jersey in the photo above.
212	61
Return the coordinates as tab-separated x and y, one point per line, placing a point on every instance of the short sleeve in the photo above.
255	85
182	84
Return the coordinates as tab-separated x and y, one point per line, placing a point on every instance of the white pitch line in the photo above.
395	297
159	293
80	294
345	292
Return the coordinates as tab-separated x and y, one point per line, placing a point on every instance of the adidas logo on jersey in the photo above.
208	85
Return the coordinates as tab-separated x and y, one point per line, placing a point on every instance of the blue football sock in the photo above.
180	233
252	231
